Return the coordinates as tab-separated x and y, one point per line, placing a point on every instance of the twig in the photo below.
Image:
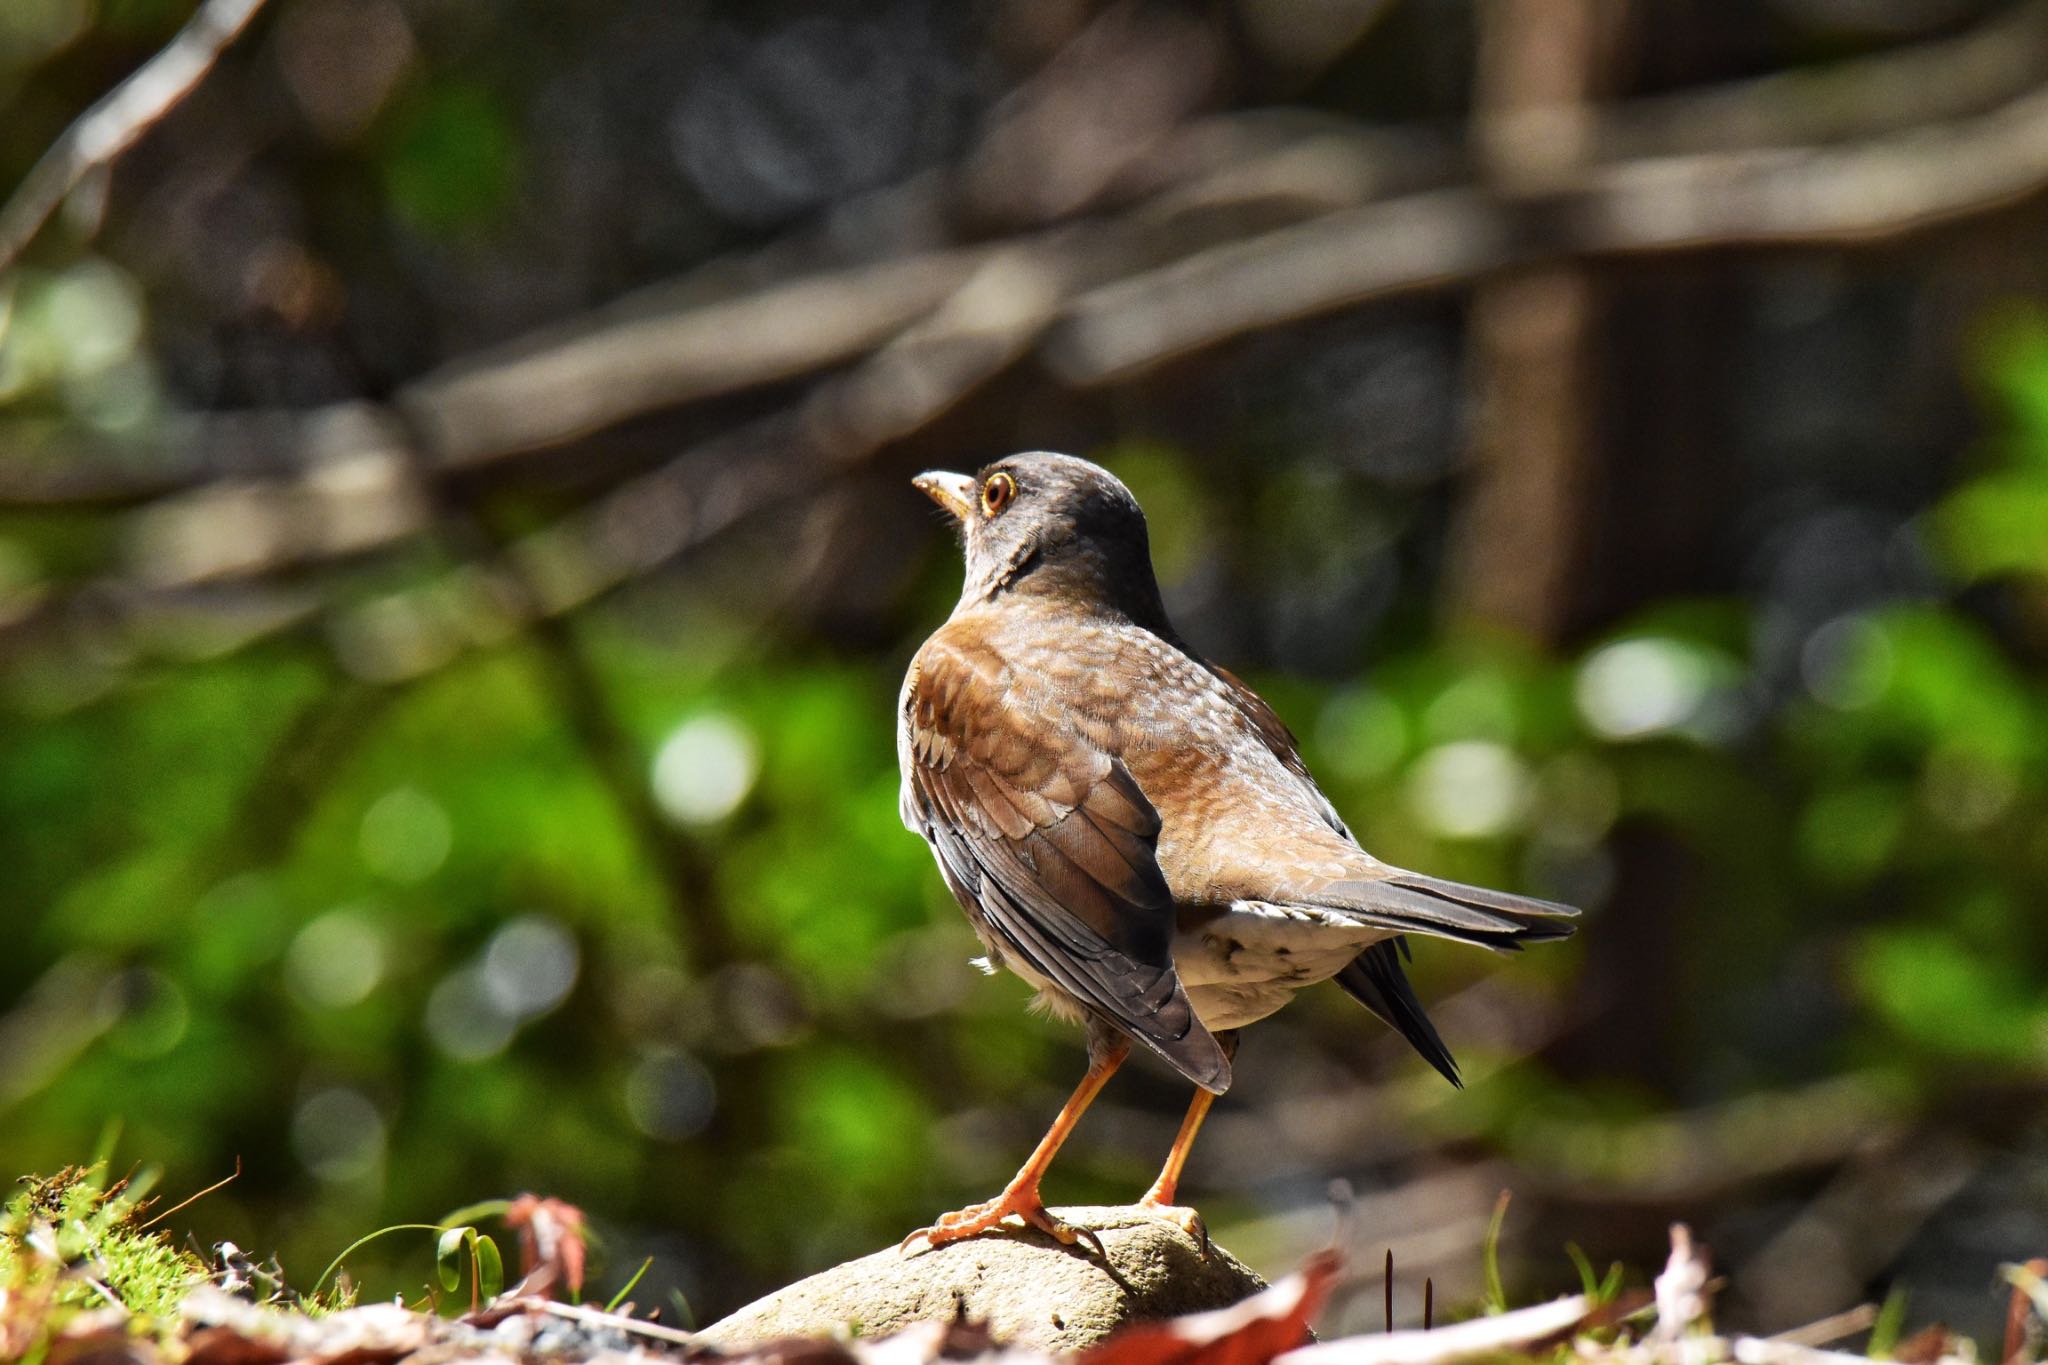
1831	1329
112	125
596	1317
192	1199
1436	1346
1773	1351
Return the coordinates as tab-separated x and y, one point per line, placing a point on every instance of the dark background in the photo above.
457	562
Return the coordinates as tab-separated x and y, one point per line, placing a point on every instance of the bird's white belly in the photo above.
1244	964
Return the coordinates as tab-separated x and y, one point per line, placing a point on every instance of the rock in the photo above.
1029	1289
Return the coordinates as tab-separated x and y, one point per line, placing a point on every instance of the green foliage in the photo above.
626	1289
465	1246
1599	1290
453	159
1496	1290
75	1241
1890	1326
462	1254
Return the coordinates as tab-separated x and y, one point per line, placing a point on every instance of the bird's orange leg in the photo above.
1161	1196
1020	1197
1167	1187
1168	1184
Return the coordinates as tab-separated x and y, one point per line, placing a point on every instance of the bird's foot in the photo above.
1022	1204
1160	1205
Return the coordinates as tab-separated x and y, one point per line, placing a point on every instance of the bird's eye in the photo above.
997	493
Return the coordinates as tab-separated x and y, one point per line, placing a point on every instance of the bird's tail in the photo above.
1375	980
1410	903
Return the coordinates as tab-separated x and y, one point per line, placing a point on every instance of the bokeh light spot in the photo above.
1847	663
464	1020
406	835
705	769
336	961
1476	706
670	1095
95	310
339	1135
1472	789
148	1011
1640	687
530	966
1965	789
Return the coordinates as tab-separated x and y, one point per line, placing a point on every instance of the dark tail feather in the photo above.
1375	980
1409	902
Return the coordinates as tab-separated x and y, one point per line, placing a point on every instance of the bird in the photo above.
1130	828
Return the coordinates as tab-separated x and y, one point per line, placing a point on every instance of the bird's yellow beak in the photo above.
954	492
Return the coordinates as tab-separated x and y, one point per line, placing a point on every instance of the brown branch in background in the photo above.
1857	1224
1106	100
661	348
1888	91
1192	278
1808	196
1166	271
1521	527
1522	521
119	118
1376	226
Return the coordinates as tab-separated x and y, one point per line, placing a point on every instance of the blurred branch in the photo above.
1858	192
119	118
1231	224
685	868
722	329
1857	1224
1888	91
1521	519
662	347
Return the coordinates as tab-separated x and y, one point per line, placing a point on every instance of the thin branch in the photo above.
1887	91
189	1200
119	118
1832	1328
1841	195
594	1317
661	348
1170	272
1340	212
1492	1336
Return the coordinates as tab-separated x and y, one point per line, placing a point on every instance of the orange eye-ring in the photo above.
997	493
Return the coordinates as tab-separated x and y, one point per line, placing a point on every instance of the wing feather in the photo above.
1049	845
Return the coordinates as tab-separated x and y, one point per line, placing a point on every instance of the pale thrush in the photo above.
1128	826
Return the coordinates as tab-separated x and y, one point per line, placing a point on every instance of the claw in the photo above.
976	1219
1181	1216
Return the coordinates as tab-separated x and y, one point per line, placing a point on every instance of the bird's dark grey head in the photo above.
1040	523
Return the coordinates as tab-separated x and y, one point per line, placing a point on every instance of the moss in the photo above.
73	1241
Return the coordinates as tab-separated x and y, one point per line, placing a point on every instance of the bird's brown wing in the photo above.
1048	843
1264	721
